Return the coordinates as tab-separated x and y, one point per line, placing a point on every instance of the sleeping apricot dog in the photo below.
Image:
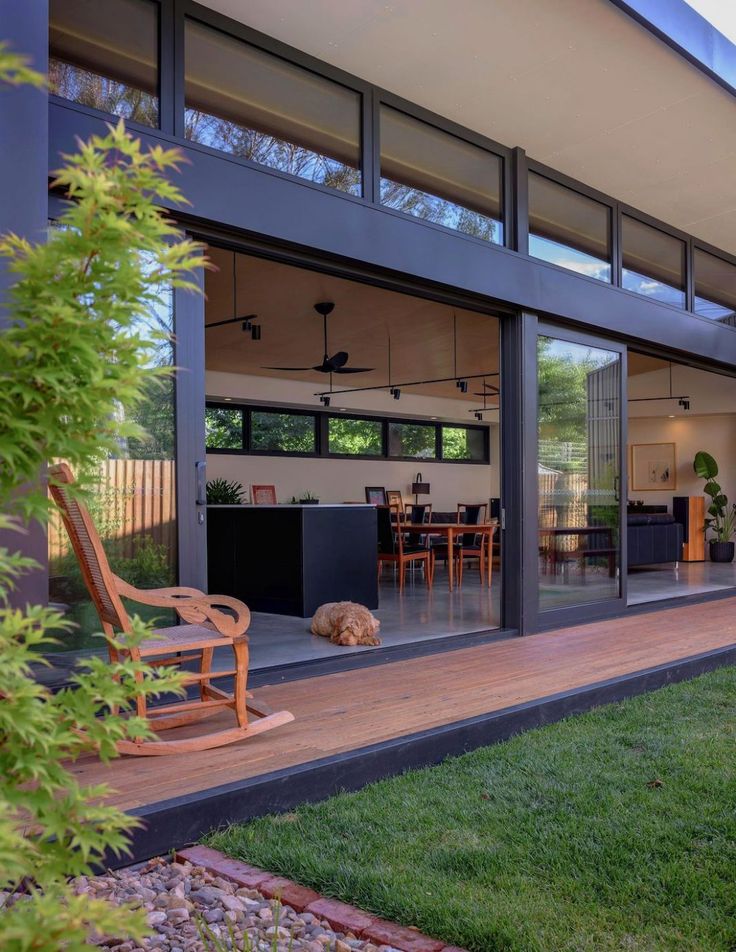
346	623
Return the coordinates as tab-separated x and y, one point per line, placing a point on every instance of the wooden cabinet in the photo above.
689	511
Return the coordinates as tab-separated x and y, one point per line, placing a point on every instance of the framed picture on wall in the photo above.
653	467
394	498
376	495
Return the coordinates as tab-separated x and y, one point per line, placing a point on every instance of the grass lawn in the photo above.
612	830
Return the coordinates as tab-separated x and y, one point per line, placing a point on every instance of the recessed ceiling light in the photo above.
433	418
672	416
342	409
228	399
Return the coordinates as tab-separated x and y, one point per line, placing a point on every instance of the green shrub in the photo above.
71	359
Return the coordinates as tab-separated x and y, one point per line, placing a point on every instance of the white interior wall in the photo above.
714	433
709	425
338	480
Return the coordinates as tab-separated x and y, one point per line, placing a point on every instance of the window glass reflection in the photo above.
653	262
715	287
249	103
569	229
579	458
105	55
440	178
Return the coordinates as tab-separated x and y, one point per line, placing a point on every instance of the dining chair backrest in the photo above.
388	542
471	514
419	513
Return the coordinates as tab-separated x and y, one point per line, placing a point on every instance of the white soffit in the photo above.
577	83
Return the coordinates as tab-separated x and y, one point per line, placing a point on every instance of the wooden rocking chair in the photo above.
208	628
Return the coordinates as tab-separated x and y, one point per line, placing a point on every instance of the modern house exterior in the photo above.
525	215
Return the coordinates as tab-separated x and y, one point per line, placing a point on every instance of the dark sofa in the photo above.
652	538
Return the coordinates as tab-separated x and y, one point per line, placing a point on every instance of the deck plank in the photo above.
353	709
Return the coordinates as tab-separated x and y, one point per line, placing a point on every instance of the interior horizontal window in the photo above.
105	55
223	428
439	177
653	262
715	287
463	443
244	101
415	440
354	437
569	229
282	432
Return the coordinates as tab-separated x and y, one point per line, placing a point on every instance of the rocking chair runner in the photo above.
208	628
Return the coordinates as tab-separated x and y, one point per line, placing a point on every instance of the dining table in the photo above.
451	530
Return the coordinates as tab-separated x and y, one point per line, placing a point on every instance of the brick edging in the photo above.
341	916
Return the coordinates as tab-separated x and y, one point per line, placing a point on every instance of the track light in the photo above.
324	400
462	385
478	415
395	392
248	327
684	403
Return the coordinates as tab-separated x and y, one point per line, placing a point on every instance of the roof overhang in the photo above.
582	85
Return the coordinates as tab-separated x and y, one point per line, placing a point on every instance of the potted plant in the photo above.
722	517
223	492
309	499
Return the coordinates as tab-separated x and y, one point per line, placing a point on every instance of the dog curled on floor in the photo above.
346	623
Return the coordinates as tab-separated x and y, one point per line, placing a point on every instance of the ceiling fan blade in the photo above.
337	360
354	370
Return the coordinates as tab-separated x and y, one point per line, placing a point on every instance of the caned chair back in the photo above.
471	514
88	549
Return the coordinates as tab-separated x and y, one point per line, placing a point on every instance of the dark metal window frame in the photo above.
321	418
514	161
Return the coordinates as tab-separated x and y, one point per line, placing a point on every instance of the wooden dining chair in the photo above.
472	545
393	549
213	621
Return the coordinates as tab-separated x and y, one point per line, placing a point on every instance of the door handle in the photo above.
200	469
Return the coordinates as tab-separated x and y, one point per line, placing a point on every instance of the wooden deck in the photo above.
352	710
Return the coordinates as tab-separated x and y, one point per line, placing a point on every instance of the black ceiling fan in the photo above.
329	365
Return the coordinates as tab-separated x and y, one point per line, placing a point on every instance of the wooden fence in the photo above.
134	498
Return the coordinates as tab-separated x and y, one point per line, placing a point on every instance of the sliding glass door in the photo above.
580	473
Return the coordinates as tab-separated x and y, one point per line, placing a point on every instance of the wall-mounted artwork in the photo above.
653	467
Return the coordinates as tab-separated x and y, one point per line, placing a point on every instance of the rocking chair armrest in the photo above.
193	606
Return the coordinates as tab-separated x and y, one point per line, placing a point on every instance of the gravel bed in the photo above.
192	910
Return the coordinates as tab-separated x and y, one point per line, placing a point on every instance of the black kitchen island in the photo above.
289	560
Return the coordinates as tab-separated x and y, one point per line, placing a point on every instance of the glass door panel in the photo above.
579	442
133	502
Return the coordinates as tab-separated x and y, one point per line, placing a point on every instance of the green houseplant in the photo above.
224	492
721	519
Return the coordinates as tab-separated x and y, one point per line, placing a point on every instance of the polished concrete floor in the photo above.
418	614
645	583
653	583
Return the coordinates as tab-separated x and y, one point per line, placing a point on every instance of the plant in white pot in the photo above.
721	519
